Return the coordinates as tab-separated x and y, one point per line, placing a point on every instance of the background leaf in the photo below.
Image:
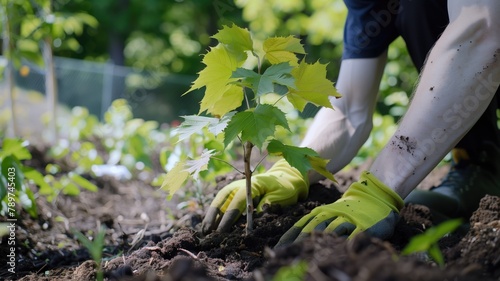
18	179
175	178
30	203
82	182
194	167
3	187
15	147
37	178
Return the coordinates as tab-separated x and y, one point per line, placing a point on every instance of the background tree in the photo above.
31	27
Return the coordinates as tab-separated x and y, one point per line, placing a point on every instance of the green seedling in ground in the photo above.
233	103
15	178
95	248
427	242
294	272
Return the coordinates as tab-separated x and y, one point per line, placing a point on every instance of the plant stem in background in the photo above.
9	75
50	84
248	177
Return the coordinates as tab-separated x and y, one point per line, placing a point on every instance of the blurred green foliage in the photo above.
15	178
169	36
427	242
31	22
294	272
120	139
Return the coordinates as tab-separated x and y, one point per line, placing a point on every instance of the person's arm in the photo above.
338	133
458	82
460	77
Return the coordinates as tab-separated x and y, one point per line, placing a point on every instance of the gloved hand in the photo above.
367	205
282	184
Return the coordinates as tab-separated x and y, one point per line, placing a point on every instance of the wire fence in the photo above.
152	95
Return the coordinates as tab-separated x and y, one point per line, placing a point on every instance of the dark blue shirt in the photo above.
370	27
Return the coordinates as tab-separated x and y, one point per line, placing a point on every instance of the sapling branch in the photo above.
260	161
248	178
246	98
232	166
280	98
259	65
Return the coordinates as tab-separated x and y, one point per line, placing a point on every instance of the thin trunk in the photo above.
116	48
50	89
50	84
248	177
9	74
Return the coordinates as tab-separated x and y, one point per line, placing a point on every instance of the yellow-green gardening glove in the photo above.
282	185
367	205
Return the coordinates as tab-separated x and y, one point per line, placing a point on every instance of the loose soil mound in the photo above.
169	246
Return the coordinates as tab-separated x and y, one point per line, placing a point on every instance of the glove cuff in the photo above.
380	190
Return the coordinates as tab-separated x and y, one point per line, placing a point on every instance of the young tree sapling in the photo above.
230	83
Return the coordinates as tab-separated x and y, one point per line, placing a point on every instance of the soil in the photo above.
149	238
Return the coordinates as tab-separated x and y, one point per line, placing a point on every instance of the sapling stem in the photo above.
248	178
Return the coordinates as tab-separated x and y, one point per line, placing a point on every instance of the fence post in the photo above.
107	87
50	89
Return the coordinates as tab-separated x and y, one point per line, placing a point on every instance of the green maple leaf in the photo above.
220	95
249	78
255	125
263	84
194	124
311	85
319	165
283	49
175	178
301	158
235	37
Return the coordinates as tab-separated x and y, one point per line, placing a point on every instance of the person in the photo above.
456	90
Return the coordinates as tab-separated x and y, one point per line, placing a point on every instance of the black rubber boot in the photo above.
466	183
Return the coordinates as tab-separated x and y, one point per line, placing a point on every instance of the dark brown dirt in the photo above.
172	248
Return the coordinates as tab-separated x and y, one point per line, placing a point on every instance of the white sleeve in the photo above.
460	77
338	134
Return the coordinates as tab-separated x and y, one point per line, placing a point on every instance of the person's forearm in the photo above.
458	82
339	133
